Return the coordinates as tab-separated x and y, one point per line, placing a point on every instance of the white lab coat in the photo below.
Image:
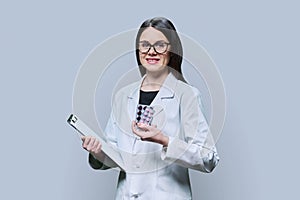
161	173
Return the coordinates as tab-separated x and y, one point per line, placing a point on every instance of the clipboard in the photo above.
107	148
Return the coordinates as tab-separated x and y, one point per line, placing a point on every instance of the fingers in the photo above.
137	128
143	126
144	131
133	127
91	144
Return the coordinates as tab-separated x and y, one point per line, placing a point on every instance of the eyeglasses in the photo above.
159	47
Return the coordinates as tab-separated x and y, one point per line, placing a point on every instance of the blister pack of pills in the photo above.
144	114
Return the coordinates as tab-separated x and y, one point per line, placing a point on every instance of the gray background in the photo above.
255	44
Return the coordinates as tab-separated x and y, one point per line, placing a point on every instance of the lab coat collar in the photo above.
166	91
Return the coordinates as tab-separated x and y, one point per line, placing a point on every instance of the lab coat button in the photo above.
137	166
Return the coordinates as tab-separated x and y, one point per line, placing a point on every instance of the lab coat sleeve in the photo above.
194	147
106	163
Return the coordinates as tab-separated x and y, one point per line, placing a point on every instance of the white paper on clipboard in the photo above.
107	148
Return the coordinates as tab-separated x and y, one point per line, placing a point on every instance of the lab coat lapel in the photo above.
167	91
133	98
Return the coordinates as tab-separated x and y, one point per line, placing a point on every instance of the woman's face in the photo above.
154	50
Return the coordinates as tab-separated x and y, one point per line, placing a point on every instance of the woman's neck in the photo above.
153	81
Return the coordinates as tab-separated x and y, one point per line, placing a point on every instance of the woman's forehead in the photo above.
152	35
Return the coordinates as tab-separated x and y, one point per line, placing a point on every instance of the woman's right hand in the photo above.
92	145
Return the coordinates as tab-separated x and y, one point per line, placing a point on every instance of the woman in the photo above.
176	137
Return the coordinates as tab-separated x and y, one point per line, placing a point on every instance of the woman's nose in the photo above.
151	50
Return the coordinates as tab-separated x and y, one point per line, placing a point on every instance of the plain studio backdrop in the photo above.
255	45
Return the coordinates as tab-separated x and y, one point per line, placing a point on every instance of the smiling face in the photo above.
154	60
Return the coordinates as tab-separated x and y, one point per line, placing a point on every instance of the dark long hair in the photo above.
168	29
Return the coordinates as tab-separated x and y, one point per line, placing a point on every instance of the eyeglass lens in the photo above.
159	46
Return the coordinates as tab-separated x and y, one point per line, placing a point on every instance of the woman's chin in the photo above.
155	68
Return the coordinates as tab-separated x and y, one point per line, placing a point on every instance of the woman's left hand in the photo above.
149	133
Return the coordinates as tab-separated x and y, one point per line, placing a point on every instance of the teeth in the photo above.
153	59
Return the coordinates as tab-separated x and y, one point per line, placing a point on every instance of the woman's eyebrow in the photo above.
154	42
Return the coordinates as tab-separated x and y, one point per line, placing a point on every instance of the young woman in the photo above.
174	135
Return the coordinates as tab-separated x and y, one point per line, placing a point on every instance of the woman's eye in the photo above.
160	45
145	44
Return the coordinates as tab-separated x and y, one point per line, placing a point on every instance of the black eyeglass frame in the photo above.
153	45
